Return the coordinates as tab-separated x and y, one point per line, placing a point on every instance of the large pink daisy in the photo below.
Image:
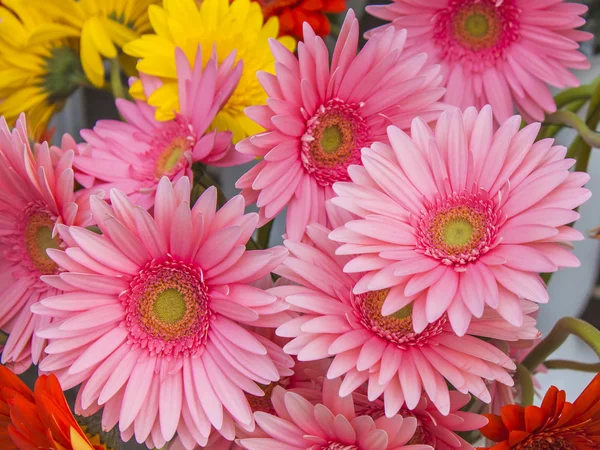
501	52
333	424
132	156
36	194
384	349
461	217
151	319
433	428
318	117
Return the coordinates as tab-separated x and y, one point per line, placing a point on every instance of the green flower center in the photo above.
331	139
477	25
63	74
458	232
169	306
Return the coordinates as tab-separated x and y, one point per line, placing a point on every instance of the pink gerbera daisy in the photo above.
501	52
333	424
318	117
151	317
382	346
433	428
132	156
36	194
460	218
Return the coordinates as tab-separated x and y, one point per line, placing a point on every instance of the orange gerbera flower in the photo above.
38	419
555	425
293	13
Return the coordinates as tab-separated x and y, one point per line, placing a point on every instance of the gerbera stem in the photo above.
525	380
3	338
264	235
572	365
550	131
571	119
559	334
117	88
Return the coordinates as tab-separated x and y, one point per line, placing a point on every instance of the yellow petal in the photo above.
118	33
158	19
78	441
100	38
48	32
288	42
136	90
166	101
90	58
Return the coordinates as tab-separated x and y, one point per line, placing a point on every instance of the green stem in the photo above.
526	383
572	365
550	131
117	88
574	121
3	337
264	234
575	94
559	334
208	181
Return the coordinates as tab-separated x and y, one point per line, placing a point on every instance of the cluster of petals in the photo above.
555	424
333	424
501	52
151	321
433	428
388	353
36	193
350	102
134	155
460	218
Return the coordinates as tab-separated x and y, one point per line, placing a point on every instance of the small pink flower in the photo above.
318	116
133	156
381	347
433	428
36	196
461	217
152	318
333	424
501	52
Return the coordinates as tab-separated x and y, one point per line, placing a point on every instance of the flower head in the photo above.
102	27
501	52
37	197
556	424
38	419
433	428
37	77
319	116
381	346
461	217
227	26
333	424
151	321
135	155
293	13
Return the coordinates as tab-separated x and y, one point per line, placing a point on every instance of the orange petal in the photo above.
549	403
534	418
517	436
588	397
495	429
513	417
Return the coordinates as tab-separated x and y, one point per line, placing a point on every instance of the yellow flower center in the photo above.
331	139
169	306
169	158
458	232
38	239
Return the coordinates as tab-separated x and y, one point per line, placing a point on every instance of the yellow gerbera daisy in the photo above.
237	26
34	78
102	26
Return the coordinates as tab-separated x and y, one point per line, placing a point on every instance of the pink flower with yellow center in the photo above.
467	216
36	196
319	115
333	424
501	52
134	155
152	318
382	347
